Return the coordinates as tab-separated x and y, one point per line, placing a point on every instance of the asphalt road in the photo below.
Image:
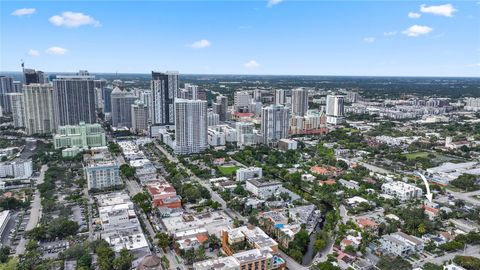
35	211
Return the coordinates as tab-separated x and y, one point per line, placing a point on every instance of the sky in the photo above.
274	37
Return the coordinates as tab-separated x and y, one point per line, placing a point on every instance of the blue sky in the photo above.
249	37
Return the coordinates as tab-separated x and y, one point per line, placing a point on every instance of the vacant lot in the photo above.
227	170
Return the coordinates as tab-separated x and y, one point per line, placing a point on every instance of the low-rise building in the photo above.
262	189
244	174
287	144
402	190
401	244
163	195
101	171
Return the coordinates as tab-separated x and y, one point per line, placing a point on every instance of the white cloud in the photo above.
417	30
200	44
251	64
414	15
442	10
272	3
56	50
73	19
33	52
391	33
369	39
23	12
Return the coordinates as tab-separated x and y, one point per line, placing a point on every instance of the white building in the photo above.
213	119
402	190
401	244
139	117
262	189
19	169
280	96
299	101
248	173
275	119
335	109
245	134
39	108
17	107
287	144
102	174
242	100
216	137
190	126
4	218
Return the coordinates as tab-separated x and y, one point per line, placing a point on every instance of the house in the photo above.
367	224
431	212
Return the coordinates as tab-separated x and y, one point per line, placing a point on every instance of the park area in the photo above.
227	170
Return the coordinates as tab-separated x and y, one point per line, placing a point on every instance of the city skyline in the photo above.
354	38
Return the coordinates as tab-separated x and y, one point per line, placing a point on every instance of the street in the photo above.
35	211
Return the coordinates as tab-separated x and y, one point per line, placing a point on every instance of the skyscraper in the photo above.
17	108
122	102
107	99
139	117
299	101
6	86
220	107
245	135
32	76
275	119
38	100
190	126
335	109
242	100
75	98
281	96
164	91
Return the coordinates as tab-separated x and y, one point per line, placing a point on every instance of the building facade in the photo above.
299	101
122	102
39	107
81	136
275	120
17	109
139	117
190	126
75	99
164	91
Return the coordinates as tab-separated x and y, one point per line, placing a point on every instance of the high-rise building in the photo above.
17	108
192	91
107	98
275	120
6	86
299	101
213	119
147	100
245	135
122	101
75	98
38	100
164	91
242	100
139	117
32	76
257	95
281	96
220	107
80	136
335	109
99	88
190	126
17	86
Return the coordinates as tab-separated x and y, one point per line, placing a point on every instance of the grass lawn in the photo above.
227	170
414	155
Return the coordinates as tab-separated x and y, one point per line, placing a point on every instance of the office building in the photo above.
280	96
190	126
39	109
164	91
81	136
122	102
17	109
75	98
275	120
335	109
6	86
221	107
299	101
107	98
31	76
139	117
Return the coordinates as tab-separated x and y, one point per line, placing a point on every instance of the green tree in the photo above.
163	240
124	261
